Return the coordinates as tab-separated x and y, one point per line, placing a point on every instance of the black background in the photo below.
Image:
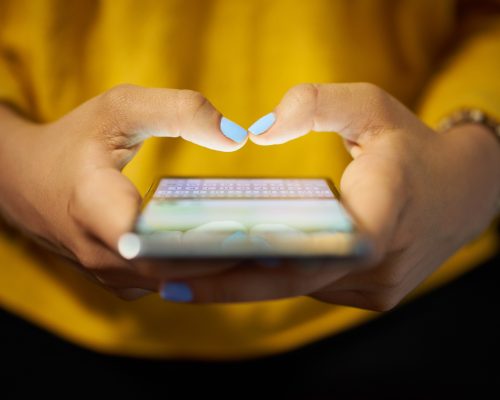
440	345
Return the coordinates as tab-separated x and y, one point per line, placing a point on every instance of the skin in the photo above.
419	194
68	193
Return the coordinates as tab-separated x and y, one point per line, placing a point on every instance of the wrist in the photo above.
481	122
16	159
478	150
14	142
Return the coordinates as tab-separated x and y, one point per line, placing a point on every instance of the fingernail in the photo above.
237	236
232	130
176	291
262	124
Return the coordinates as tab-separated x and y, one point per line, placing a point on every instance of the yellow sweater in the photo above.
243	55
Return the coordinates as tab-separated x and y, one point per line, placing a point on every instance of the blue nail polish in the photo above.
176	291
260	241
262	124
237	236
232	130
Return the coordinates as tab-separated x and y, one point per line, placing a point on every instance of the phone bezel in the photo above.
359	230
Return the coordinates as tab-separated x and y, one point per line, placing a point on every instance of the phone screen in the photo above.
245	216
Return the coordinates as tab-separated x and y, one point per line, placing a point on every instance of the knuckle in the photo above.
114	106
371	90
190	101
304	99
118	95
379	107
377	99
304	93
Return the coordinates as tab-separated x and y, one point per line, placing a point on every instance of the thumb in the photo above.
105	203
373	191
136	113
354	110
132	293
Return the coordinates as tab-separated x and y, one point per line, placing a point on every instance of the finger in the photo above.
124	279
140	112
372	301
391	274
182	269
249	282
105	203
107	267
373	191
349	298
354	110
117	283
132	293
386	286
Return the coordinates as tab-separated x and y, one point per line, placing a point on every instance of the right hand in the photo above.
62	183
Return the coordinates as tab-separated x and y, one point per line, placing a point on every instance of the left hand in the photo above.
420	195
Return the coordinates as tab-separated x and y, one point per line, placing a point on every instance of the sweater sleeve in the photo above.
10	86
469	75
11	77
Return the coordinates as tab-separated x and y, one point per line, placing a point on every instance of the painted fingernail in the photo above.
237	236
232	130
262	124
176	291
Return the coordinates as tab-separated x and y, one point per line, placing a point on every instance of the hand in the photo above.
420	196
65	190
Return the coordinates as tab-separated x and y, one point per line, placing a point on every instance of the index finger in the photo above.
139	112
353	110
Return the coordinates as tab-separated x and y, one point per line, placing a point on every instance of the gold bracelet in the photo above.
472	115
468	115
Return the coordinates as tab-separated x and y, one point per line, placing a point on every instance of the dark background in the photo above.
442	345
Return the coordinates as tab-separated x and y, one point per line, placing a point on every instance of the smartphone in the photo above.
251	217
